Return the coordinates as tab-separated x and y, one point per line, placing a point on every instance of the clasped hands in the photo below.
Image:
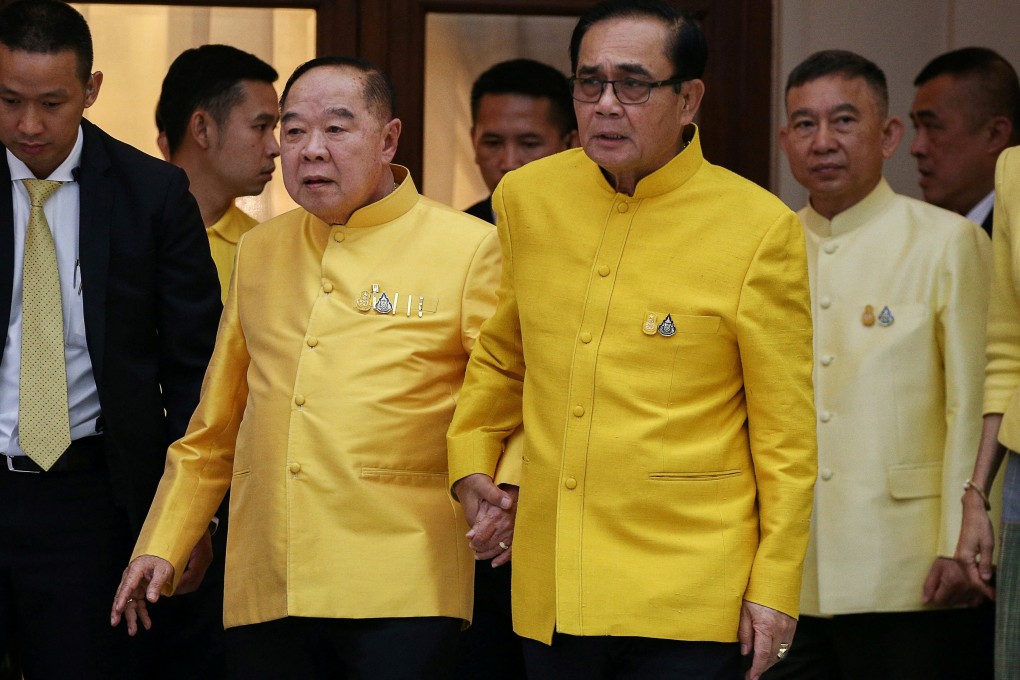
491	511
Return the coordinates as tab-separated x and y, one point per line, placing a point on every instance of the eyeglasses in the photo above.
628	90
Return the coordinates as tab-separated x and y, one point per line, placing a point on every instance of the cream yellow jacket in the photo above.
899	297
666	475
328	421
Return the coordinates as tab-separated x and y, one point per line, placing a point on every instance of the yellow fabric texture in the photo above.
339	503
223	237
1003	371
44	431
898	401
664	478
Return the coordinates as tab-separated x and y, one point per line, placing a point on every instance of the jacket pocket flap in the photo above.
914	481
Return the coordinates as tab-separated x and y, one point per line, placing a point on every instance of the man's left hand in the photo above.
762	630
493	529
198	563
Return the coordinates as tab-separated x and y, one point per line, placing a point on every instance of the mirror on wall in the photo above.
459	47
135	44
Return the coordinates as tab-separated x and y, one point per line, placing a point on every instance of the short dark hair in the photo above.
528	78
47	27
997	91
846	64
378	91
209	77
685	48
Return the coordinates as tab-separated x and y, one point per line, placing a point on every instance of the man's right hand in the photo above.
141	583
474	489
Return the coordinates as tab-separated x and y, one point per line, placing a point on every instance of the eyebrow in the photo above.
924	115
339	111
632	68
842	108
264	118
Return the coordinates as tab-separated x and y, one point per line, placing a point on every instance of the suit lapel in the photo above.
6	245
95	201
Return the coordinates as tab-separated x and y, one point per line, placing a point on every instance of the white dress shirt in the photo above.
979	213
62	210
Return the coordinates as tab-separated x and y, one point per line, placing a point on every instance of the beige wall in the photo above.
134	46
901	36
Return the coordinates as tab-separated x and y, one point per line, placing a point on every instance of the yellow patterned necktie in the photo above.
43	429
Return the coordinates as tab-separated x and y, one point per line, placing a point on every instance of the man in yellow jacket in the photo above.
340	355
899	292
653	336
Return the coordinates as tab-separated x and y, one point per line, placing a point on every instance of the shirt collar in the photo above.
857	215
229	227
979	213
670	176
63	173
391	206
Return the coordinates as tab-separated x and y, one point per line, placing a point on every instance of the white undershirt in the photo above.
62	210
979	213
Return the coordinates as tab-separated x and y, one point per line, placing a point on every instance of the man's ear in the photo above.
92	86
892	133
1000	131
164	145
201	128
391	134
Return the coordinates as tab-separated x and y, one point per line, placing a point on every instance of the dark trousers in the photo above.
63	545
952	644
344	649
630	658
489	649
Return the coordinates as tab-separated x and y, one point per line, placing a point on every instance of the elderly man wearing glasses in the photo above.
653	336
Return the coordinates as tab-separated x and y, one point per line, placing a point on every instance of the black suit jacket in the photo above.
151	303
482	210
987	224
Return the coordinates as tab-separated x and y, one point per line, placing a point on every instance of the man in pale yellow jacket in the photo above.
899	290
340	354
653	335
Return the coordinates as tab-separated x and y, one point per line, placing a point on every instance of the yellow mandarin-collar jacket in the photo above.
898	396
1003	370
223	237
328	421
666	476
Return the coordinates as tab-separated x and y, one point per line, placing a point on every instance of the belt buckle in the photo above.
10	466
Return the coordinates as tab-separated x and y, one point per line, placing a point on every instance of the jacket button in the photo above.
604	270
825	416
578	410
571	483
294	468
830	248
827	359
338	236
586	337
313	341
622	207
327	287
825	474
299	400
825	303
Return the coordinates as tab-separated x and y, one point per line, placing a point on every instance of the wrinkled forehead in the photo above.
326	88
625	45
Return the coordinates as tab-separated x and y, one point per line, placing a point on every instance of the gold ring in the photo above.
784	647
131	599
503	545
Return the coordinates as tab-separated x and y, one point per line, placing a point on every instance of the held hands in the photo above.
766	634
491	513
948	585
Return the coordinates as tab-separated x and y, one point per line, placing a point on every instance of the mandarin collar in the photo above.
391	206
667	178
857	215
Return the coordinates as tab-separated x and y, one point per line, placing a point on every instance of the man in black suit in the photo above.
135	302
521	111
966	111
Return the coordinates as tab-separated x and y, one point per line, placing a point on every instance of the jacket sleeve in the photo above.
963	285
199	466
774	338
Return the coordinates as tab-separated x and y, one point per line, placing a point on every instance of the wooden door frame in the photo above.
735	115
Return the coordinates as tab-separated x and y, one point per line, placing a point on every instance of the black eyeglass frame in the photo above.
572	81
